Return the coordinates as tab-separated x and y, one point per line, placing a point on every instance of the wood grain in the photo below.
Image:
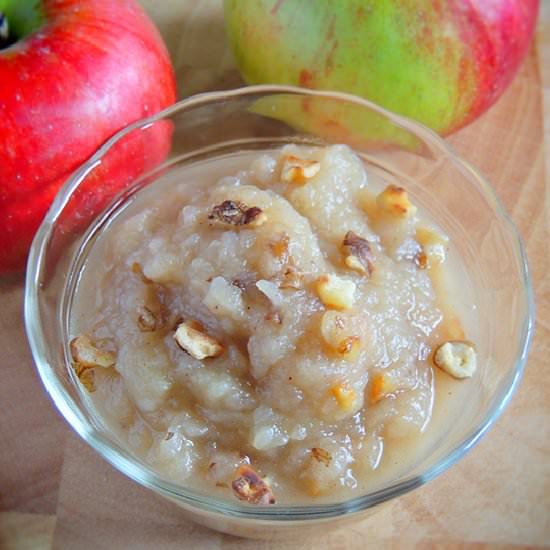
55	492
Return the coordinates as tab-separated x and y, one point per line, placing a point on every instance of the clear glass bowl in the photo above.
262	117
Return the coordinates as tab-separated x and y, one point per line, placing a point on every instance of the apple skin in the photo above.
88	70
441	62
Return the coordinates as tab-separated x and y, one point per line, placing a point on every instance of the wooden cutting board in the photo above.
55	492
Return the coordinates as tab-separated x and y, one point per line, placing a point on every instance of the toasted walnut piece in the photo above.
457	358
298	171
292	277
237	213
147	320
394	200
357	253
335	292
191	337
345	396
86	354
279	248
250	487
380	387
86	376
320	455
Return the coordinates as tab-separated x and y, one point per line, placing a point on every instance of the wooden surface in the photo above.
55	492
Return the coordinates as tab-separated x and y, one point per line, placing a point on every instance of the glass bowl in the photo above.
260	117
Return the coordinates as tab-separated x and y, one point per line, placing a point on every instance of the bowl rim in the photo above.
131	467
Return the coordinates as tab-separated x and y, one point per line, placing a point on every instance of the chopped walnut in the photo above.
250	487
147	320
457	358
191	337
86	376
357	253
394	200
298	171
320	455
237	213
86	354
335	292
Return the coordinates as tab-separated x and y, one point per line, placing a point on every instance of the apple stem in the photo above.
4	29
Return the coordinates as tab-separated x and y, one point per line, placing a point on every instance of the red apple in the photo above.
72	73
442	62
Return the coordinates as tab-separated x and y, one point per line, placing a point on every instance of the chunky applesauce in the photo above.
271	327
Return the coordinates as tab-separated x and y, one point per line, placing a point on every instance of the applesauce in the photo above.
274	327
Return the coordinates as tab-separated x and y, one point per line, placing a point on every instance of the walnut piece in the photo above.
395	201
86	356
336	292
191	337
86	376
298	171
237	214
457	358
320	455
357	253
252	488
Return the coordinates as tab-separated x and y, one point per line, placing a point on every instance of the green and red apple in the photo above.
441	62
73	73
